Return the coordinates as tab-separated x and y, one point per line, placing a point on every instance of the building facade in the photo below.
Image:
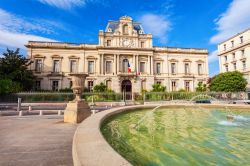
234	54
124	59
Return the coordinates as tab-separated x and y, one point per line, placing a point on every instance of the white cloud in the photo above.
64	4
158	25
13	39
234	20
213	56
16	31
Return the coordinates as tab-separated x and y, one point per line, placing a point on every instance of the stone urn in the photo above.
77	110
78	84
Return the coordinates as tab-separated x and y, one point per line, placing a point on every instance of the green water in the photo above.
180	136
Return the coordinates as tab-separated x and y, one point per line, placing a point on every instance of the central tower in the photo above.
124	33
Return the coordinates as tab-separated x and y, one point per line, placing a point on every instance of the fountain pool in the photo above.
180	136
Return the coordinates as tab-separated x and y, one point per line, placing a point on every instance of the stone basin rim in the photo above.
90	148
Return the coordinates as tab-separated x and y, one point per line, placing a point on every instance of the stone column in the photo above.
148	66
152	65
115	69
100	63
137	63
134	57
118	63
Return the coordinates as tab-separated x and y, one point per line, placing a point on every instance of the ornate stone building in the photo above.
234	54
124	59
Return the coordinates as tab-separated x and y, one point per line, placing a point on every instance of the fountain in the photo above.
77	110
149	114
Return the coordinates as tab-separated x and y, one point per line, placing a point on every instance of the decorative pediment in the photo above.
186	60
73	57
39	56
143	58
109	57
173	60
91	57
200	61
158	59
56	56
108	79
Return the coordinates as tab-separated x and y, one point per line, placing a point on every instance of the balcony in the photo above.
126	73
54	74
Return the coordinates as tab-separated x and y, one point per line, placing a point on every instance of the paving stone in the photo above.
38	141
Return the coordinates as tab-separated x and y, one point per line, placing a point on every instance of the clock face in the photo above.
127	42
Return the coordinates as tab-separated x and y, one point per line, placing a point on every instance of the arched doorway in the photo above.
126	88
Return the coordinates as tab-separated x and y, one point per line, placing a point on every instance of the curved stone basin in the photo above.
191	136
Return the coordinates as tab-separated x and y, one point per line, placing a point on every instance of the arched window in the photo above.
125	65
125	29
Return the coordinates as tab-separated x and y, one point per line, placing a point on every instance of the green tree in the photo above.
14	67
201	87
8	86
100	87
228	82
158	88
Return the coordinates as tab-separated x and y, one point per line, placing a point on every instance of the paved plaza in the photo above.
35	141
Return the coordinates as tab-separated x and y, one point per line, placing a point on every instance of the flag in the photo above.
129	68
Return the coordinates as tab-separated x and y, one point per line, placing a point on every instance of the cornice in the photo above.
234	49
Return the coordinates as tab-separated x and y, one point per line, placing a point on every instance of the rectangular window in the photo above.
226	67
55	85
90	86
91	67
109	84
158	82
142	44
225	58
158	68
235	67
38	65
187	68
108	42
142	67
173	85
233	56
38	85
243	53
241	39
199	69
108	67
232	43
70	84
244	65
187	86
143	85
73	66
173	68
225	47
56	66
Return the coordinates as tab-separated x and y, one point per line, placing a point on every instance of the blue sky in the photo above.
174	23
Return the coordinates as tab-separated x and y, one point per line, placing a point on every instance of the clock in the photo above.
127	42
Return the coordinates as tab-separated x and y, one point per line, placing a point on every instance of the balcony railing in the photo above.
126	73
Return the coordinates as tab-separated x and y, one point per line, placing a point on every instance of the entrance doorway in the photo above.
126	89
